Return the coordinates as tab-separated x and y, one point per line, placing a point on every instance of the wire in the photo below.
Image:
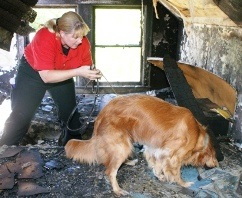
91	112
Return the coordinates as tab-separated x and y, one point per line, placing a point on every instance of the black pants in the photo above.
26	97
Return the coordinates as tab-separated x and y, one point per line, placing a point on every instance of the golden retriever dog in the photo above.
171	136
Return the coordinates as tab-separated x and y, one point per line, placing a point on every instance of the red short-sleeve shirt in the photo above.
45	53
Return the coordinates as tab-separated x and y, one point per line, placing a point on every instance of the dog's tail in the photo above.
81	150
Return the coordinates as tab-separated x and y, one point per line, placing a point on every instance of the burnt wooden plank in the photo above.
5	39
181	90
11	23
30	2
233	8
19	9
185	98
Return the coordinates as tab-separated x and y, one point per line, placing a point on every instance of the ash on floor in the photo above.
39	168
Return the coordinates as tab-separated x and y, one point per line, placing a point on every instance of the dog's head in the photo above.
207	156
204	153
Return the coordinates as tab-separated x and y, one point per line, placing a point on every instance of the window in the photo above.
118	44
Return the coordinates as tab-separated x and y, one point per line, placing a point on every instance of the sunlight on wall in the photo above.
5	110
8	58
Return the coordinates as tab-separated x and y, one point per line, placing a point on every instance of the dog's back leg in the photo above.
111	172
117	155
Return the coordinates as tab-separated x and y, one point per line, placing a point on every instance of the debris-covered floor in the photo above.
40	168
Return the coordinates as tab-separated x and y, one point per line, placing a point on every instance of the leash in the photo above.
86	123
96	91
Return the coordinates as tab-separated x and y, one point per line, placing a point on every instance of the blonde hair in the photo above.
68	22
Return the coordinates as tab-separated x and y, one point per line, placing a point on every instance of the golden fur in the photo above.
170	134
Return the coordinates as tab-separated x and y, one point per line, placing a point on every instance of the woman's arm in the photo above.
54	76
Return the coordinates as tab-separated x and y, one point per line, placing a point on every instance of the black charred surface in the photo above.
165	40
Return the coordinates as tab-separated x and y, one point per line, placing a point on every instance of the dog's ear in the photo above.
203	140
206	141
211	160
204	153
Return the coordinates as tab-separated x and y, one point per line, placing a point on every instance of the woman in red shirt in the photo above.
59	51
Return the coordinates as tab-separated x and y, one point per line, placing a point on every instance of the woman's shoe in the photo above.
66	135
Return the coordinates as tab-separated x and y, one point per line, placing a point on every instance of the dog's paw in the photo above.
131	162
187	184
121	192
160	176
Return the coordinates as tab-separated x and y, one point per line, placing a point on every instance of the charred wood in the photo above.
19	9
30	3
5	39
11	23
233	8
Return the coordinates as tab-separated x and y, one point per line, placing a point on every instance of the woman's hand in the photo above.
53	76
86	72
